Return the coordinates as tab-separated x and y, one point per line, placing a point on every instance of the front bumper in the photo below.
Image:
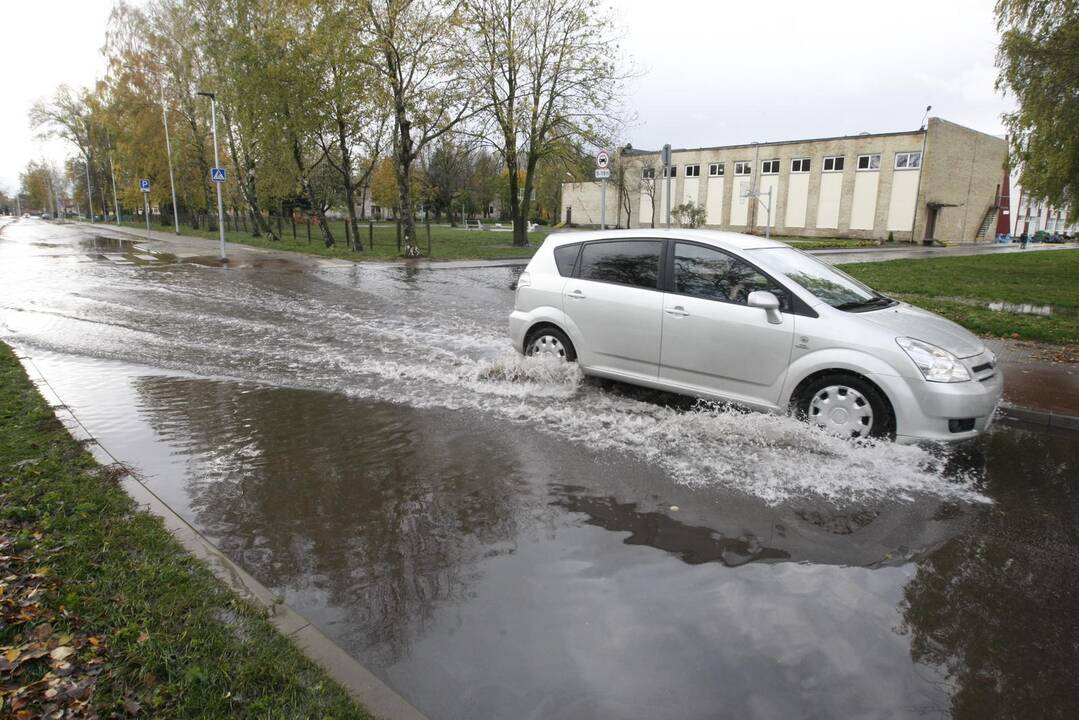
944	411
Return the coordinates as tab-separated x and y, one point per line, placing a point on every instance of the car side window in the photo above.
565	257
715	275
626	262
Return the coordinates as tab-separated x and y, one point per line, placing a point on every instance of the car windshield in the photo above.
830	285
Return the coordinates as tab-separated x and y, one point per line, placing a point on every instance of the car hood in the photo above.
908	321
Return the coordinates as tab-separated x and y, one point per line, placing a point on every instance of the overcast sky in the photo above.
716	72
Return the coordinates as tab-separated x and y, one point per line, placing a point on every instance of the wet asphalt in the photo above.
498	538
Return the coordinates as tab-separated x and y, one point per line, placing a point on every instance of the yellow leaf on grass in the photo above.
12	655
143	637
62	652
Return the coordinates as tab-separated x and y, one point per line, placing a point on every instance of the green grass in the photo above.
146	623
447	243
959	288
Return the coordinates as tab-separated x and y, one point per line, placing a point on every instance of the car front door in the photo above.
713	342
615	303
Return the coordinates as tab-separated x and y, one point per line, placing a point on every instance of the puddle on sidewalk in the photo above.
1030	309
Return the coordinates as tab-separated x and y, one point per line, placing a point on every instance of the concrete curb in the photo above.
374	695
1040	417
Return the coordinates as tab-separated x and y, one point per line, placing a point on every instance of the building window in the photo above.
908	160
715	169
674	171
770	167
693	170
869	162
648	173
801	165
833	164
743	168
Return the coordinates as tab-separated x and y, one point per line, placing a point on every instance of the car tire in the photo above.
549	340
846	405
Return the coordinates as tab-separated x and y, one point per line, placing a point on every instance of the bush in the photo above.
689	215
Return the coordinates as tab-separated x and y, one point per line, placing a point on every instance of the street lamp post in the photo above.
168	153
217	164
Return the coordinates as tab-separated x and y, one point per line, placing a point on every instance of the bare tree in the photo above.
546	72
416	54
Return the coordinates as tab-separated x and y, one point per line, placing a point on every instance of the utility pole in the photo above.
168	153
217	164
112	174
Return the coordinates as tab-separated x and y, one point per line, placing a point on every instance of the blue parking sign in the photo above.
144	185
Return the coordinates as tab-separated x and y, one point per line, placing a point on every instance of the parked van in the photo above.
755	322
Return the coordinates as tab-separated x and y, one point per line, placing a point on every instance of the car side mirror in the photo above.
768	302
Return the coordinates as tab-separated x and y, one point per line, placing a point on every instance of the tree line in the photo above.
434	106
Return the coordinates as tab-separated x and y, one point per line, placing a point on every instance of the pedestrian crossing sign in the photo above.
217	174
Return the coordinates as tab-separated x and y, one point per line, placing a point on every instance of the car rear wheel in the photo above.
550	342
848	406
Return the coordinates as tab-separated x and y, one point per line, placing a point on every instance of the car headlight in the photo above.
937	365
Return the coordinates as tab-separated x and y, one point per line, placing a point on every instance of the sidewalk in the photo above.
1041	382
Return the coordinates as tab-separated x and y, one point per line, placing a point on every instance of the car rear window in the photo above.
565	258
626	262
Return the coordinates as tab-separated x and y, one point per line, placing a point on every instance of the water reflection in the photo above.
383	512
692	543
997	608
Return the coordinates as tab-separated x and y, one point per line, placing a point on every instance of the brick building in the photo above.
942	182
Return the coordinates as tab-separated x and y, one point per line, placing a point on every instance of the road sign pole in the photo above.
112	176
768	228
146	210
667	173
217	164
603	206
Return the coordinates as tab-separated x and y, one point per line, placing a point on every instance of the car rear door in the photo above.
615	304
713	342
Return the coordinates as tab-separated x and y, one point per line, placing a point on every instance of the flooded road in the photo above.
498	538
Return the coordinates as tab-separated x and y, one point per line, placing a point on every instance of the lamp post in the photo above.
217	164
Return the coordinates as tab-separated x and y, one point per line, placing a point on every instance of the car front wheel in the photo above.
848	406
550	342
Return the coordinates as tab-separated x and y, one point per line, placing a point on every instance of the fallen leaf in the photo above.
62	652
143	637
12	655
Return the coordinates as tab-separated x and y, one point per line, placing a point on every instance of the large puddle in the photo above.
498	538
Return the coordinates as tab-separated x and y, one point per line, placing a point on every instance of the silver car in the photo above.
755	322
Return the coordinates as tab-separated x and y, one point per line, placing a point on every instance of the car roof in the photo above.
718	238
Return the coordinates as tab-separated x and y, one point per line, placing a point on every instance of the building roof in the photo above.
921	131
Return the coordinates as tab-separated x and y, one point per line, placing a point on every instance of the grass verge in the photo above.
961	288
447	243
102	613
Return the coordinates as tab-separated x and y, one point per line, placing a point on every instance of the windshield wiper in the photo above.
874	302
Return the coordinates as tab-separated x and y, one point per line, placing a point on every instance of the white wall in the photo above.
904	197
740	204
864	207
690	187
768	182
797	195
713	203
831	191
644	217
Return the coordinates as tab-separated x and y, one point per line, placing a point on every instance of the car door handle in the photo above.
576	295
677	311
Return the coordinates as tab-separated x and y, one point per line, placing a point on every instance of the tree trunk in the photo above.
309	191
403	161
247	184
350	189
